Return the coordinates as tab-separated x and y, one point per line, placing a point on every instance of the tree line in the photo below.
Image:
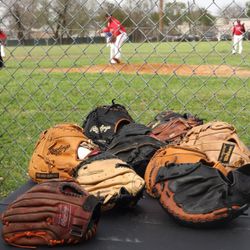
67	18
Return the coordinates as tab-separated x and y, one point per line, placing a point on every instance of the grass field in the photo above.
33	100
172	52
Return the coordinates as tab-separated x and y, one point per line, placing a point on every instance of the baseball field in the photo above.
45	85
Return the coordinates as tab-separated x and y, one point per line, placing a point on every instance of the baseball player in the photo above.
119	36
3	37
238	33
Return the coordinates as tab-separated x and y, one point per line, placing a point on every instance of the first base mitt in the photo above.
58	151
198	195
220	142
111	180
51	213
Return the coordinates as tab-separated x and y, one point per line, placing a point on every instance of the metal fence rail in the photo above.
178	56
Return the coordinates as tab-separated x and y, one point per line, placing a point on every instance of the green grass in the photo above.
171	52
32	100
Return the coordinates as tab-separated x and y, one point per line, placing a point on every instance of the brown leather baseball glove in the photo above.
51	213
58	151
113	39
171	127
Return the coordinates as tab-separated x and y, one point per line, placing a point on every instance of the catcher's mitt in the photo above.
165	156
111	180
133	145
171	127
196	194
51	213
103	122
58	151
220	142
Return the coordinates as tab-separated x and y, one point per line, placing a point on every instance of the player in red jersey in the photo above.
119	36
3	37
238	33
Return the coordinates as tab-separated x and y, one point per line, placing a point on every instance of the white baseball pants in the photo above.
2	50
115	48
237	43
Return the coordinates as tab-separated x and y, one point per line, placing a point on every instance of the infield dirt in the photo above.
161	69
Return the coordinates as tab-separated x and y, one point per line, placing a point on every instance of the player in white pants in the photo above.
237	44
3	38
119	36
115	48
238	33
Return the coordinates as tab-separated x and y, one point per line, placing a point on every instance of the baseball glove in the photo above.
167	155
51	213
133	145
197	194
171	127
168	115
220	142
111	180
58	151
241	178
113	39
103	122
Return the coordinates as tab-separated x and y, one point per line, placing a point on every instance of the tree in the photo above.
232	11
161	13
198	20
21	17
144	18
174	12
64	17
116	10
200	17
130	13
248	9
16	12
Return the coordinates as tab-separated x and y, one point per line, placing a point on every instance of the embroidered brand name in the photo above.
47	175
101	129
64	216
57	151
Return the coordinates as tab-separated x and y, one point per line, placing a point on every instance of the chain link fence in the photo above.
178	56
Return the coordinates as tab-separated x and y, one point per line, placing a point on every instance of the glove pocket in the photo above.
198	195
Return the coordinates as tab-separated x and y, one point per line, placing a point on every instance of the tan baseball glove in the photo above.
220	142
58	151
110	179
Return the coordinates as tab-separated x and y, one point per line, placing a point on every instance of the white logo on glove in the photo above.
102	129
